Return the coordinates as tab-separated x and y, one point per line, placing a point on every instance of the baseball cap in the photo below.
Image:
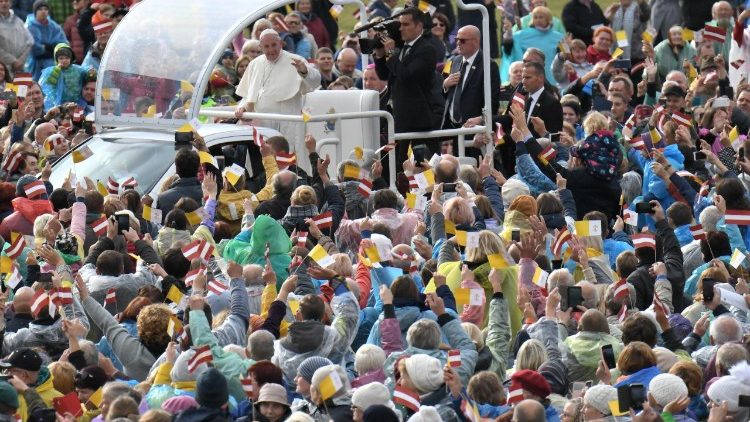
23	358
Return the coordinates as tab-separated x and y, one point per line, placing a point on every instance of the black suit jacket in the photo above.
472	95
548	109
411	83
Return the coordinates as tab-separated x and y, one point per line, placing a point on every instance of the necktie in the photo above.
456	102
404	51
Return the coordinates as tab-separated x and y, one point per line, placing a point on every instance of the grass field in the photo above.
346	19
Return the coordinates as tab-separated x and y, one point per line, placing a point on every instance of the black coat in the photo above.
578	19
180	188
411	82
472	93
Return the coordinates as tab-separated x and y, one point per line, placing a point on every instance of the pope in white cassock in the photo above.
275	83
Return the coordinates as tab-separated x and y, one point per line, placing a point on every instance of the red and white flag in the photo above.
519	99
622	289
714	33
454	358
247	386
278	20
562	237
39	302
622	314
660	304
324	220
285	159
629	216
364	188
385	149
406	397
23	78
12	279
738	217
698	232
705	188
637	143
682	119
412	182
547	155
111	297
301	239
202	355
34	189
630	123
191	251
112	186
206	250
216	287
515	394
100	226
16	246
193	274
644	240
12	161
65	296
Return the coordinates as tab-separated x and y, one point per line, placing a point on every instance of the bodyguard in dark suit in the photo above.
464	87
411	76
540	103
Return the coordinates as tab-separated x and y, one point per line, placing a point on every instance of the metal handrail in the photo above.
364	58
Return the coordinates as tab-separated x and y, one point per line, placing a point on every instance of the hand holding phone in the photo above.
608	355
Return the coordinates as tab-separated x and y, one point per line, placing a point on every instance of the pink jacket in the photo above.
402	226
525	280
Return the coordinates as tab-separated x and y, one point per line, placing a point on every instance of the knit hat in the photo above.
39	4
272	393
599	397
426	414
371	394
665	358
23	181
177	404
8	395
600	153
665	388
512	189
323	373
425	372
211	389
525	204
91	377
101	23
308	367
380	413
63	49
730	387
531	381
556	375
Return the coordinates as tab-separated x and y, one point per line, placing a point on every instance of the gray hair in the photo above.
593	301
90	352
728	355
260	345
236	349
424	334
725	329
709	217
469	175
631	186
559	277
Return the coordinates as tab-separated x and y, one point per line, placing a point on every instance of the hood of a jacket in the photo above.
44	381
30	209
304	336
47	333
672	153
586	347
235	198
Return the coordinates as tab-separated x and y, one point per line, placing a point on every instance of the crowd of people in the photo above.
587	261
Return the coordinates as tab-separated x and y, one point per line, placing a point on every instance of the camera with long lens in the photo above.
388	28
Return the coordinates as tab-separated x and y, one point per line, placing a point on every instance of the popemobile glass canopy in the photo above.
161	56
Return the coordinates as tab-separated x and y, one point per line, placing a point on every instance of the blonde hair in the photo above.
342	264
458	210
531	355
63	376
489	243
543	11
594	122
475	333
40	223
304	195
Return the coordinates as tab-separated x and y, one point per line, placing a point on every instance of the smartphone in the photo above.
708	289
88	127
721	102
123	223
608	354
743	401
644	208
699	155
449	187
741	154
421	154
554	137
506	93
182	140
570	297
515	235
622	64
637	396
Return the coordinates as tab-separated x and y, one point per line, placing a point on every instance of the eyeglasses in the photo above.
462	40
293	23
440	24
